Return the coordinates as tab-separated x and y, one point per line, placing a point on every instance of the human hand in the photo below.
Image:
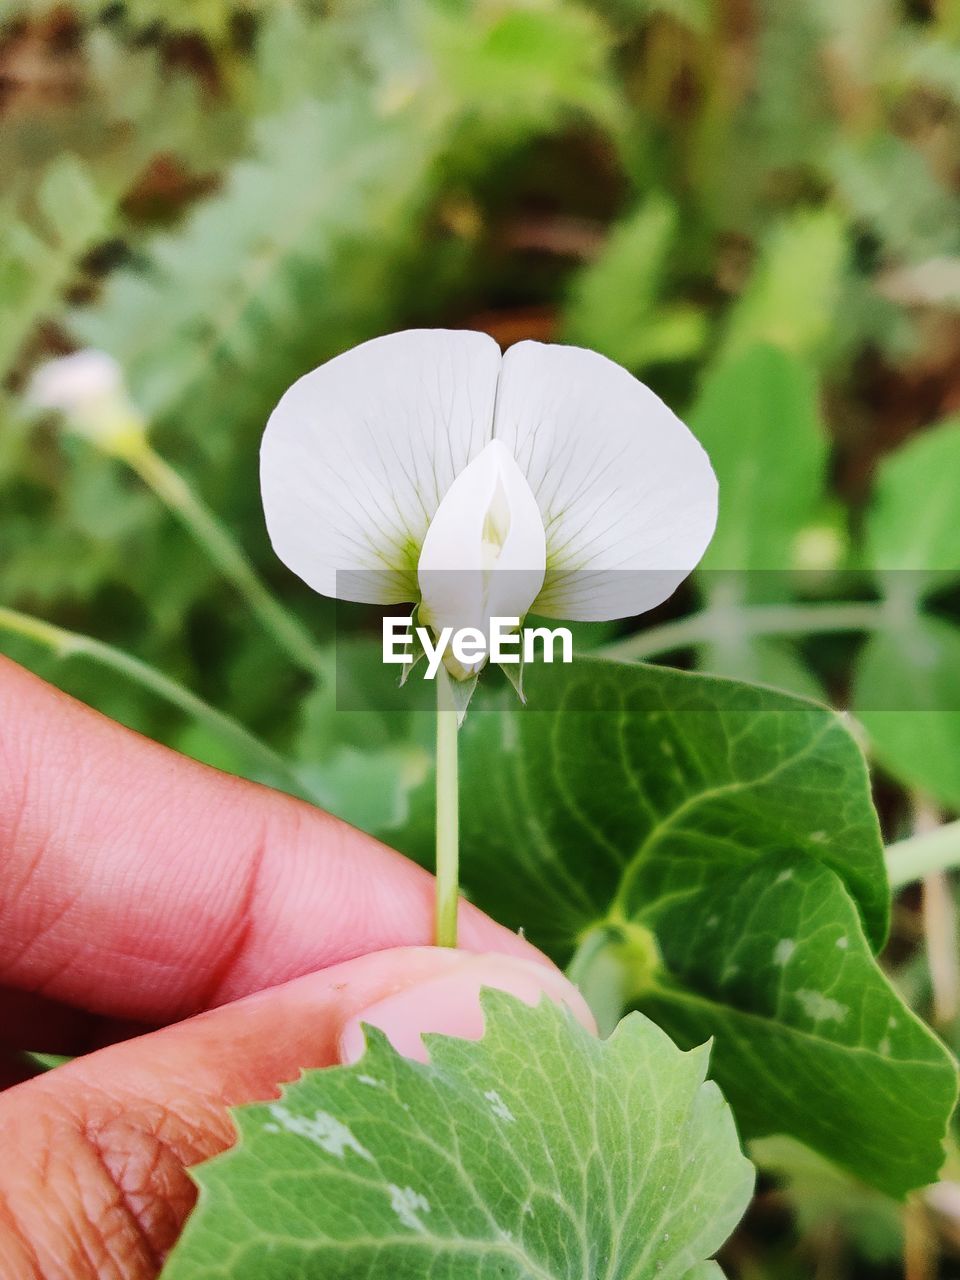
142	890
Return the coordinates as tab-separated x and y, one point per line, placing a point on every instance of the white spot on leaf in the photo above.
499	1107
821	1008
408	1204
322	1129
783	951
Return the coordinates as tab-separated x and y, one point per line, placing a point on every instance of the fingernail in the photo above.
450	1004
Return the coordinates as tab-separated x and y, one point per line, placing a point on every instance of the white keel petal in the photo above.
484	554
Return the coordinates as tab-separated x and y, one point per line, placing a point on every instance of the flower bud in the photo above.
89	389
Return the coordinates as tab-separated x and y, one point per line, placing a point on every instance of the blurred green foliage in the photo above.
223	195
755	206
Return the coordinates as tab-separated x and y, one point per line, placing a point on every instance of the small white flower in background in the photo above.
428	466
89	389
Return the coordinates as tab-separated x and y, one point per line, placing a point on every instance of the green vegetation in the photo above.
755	208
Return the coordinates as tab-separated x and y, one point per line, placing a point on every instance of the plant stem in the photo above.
448	815
68	644
171	488
921	855
715	624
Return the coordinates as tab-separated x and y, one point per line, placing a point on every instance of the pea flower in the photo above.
429	467
88	388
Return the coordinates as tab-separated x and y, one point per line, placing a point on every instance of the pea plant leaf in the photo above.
619	784
912	538
795	289
906	683
659	808
907	696
537	1153
757	417
775	965
616	303
771	485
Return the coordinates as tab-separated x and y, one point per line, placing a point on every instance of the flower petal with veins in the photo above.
548	469
358	455
626	492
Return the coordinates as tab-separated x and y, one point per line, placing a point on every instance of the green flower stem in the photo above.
68	644
713	625
923	854
171	488
448	815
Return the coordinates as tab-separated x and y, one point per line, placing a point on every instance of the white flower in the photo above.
428	466
89	389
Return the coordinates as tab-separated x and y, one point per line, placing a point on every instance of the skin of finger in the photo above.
139	884
93	1180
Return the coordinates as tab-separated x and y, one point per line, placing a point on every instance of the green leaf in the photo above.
761	661
538	1153
369	789
824	1199
907	697
933	63
811	1039
792	296
622	783
757	417
923	218
39	259
615	305
780	125
661	806
912	526
234	275
517	64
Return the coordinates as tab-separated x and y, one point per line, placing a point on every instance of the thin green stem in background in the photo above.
923	854
712	625
176	494
448	815
68	644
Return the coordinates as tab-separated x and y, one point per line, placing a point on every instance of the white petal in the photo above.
88	388
358	455
74	382
484	554
627	494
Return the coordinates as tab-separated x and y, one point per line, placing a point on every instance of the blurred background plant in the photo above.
752	204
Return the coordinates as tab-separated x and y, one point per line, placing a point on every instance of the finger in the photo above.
142	885
93	1179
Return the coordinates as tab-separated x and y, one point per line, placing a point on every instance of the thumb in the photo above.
93	1184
